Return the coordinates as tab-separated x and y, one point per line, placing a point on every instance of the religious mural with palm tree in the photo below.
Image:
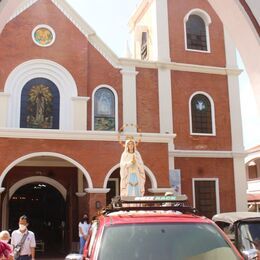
40	104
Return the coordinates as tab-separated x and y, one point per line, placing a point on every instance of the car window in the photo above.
191	241
250	235
228	229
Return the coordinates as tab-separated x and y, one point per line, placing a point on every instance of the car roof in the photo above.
231	217
117	218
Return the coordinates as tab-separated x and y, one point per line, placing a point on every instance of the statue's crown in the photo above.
130	137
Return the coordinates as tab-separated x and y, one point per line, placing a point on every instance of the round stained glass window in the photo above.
43	35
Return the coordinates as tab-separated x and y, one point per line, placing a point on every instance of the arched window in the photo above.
104	110
202	115
40	104
196	24
196	33
144	51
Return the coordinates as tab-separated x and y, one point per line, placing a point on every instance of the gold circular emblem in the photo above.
43	36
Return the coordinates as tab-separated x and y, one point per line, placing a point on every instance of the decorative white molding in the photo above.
251	156
180	67
50	70
97	190
41	163
37	154
160	190
207	20
139	9
86	99
25	4
216	180
80	194
41	179
213	124
81	135
207	154
116	104
46	27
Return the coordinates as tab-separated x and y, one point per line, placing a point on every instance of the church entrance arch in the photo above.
45	206
49	188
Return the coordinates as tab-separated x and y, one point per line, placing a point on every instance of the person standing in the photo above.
83	231
4	238
23	241
5	251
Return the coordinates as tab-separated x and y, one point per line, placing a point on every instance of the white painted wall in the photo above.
80	113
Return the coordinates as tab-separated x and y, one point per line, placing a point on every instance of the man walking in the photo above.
23	241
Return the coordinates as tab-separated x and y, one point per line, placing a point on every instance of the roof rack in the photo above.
165	203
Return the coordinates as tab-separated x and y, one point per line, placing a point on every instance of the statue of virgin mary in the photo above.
132	172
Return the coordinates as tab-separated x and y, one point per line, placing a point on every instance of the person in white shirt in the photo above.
83	231
27	251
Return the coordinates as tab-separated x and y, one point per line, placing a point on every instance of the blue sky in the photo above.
109	19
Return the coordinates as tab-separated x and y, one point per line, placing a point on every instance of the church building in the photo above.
67	102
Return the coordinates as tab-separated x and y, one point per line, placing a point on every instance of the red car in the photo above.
156	233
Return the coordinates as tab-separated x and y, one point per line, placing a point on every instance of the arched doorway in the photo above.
45	207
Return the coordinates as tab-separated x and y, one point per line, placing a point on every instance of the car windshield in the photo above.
250	235
164	241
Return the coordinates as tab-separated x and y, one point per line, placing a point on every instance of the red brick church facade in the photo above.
72	149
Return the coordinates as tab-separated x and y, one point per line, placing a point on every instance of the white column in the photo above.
4	98
162	31
240	183
165	101
80	113
236	127
80	181
129	95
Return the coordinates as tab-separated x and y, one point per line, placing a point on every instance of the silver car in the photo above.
243	229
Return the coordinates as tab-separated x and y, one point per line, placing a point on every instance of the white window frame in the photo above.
216	180
40	68
48	28
93	106
138	41
207	20
213	126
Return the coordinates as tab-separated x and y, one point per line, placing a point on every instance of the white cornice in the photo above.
24	5
160	190
81	98
96	190
134	17
206	154
80	135
180	67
